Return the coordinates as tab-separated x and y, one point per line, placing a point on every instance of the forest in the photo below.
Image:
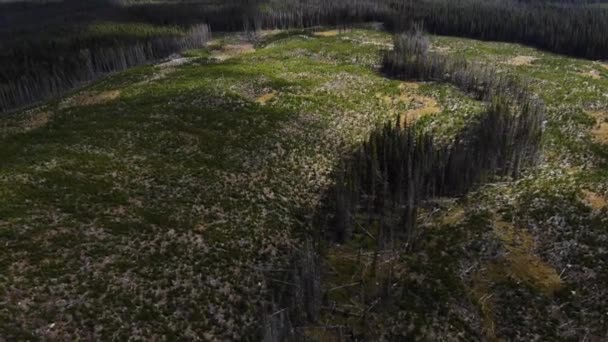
83	48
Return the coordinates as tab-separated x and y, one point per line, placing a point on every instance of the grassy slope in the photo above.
163	208
158	211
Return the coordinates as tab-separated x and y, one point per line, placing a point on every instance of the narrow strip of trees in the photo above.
384	181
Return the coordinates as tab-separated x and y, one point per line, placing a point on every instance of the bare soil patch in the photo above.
594	200
423	105
90	98
165	69
232	50
329	33
267	33
599	133
454	216
264	99
441	49
175	62
591	73
38	119
522	60
522	263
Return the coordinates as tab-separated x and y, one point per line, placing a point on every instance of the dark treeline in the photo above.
17	17
571	28
310	13
31	74
40	44
385	180
562	26
49	48
225	16
236	15
577	30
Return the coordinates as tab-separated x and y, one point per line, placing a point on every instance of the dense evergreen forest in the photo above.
574	29
48	48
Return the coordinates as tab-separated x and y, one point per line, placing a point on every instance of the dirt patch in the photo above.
329	33
522	60
175	62
90	98
264	99
268	33
522	263
161	74
482	293
594	200
163	70
29	120
441	49
454	216
423	105
599	133
37	120
231	50
591	73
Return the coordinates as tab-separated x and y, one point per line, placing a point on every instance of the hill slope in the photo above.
171	200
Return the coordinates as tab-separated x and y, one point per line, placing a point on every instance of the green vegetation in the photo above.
531	239
171	200
147	190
